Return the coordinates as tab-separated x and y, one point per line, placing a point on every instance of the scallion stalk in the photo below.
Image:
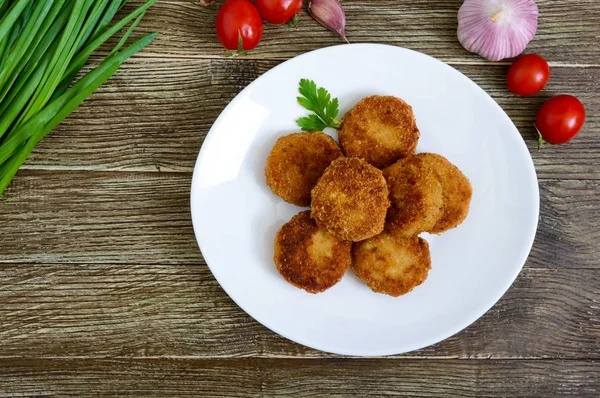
54	40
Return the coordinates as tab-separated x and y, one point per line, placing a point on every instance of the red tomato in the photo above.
528	75
239	18
278	11
560	119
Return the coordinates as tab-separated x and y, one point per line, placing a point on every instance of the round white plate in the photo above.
236	216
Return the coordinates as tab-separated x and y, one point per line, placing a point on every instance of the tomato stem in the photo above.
541	141
293	23
240	52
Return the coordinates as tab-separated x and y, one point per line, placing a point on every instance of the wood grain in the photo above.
144	218
104	291
154	114
568	32
299	378
136	311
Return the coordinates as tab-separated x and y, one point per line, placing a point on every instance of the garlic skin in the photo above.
330	14
497	29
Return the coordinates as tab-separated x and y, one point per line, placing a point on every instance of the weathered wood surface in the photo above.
61	216
300	378
568	30
138	311
154	114
103	290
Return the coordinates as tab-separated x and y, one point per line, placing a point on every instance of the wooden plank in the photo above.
567	33
144	218
300	378
104	217
164	311
154	114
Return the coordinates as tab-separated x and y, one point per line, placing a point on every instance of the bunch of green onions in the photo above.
43	46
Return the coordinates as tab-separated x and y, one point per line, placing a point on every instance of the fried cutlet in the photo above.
392	264
416	195
351	200
456	190
296	162
380	130
309	257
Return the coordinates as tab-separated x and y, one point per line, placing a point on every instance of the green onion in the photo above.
27	35
12	112
11	16
79	61
54	40
59	60
12	24
53	25
126	35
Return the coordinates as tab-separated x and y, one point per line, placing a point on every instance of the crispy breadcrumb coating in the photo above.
392	264
380	130
309	257
456	190
416	196
351	200
296	162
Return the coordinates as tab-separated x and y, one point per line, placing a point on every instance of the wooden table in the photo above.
103	289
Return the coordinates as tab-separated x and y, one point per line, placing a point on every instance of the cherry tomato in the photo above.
528	75
560	119
239	18
278	11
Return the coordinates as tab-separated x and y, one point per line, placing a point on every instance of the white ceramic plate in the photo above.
236	216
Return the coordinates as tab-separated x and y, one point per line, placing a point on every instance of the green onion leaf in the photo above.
43	46
126	35
27	35
84	54
53	25
19	102
12	16
61	57
56	112
114	7
92	23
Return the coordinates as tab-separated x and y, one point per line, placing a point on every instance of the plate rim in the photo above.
438	337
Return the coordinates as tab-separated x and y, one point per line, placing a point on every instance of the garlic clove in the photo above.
497	29
330	14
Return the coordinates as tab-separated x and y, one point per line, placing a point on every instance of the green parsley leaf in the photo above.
319	101
311	123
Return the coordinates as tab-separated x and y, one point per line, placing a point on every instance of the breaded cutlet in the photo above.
296	162
380	130
309	257
351	200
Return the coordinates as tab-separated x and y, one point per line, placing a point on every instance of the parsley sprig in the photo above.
317	100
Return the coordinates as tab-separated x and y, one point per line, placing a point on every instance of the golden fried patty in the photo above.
296	162
416	195
379	129
351	200
392	264
309	257
456	190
